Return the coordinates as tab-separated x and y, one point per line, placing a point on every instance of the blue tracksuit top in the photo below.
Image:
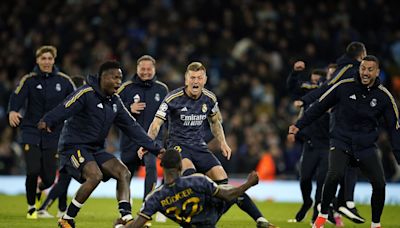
41	92
356	116
90	115
151	92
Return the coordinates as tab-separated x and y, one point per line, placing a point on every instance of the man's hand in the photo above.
298	103
226	150
43	126
291	138
293	129
299	66
252	178
292	132
141	152
14	118
161	153
136	107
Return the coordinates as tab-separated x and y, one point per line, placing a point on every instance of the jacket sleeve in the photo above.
20	94
127	123
74	103
122	92
318	108
313	95
391	116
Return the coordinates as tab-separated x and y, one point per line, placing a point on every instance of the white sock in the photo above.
375	225
127	217
30	207
76	203
323	215
65	216
261	219
350	204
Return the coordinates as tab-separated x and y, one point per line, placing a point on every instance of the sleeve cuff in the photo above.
144	216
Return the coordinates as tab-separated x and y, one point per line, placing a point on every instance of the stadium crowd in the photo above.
248	46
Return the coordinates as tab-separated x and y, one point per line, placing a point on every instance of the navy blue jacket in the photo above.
152	92
356	115
41	92
347	68
90	115
318	132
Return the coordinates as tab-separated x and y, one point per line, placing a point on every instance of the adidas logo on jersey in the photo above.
39	86
184	109
353	97
100	105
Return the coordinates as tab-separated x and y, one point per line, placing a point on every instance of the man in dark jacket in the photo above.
42	90
90	113
359	104
348	66
142	95
315	140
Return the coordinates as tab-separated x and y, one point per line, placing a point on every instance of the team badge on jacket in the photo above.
157	97
373	102
204	108
58	87
115	107
136	98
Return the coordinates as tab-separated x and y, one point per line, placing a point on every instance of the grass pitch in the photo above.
101	212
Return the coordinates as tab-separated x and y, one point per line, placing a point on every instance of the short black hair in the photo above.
354	49
111	64
372	58
171	159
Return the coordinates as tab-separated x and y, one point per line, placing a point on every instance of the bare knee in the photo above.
217	173
94	177
123	174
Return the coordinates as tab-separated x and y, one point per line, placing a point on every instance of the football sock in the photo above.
124	208
247	205
73	209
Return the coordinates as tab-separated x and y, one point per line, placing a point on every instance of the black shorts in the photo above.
73	160
202	158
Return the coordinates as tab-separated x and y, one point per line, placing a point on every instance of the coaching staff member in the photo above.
359	103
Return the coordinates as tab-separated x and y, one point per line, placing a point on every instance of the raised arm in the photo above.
229	194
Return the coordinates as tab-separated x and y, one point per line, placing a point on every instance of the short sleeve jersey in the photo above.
189	200
186	115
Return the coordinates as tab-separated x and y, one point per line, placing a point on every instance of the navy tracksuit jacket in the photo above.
41	92
90	115
356	116
152	92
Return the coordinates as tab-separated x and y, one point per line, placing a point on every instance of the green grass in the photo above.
101	212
